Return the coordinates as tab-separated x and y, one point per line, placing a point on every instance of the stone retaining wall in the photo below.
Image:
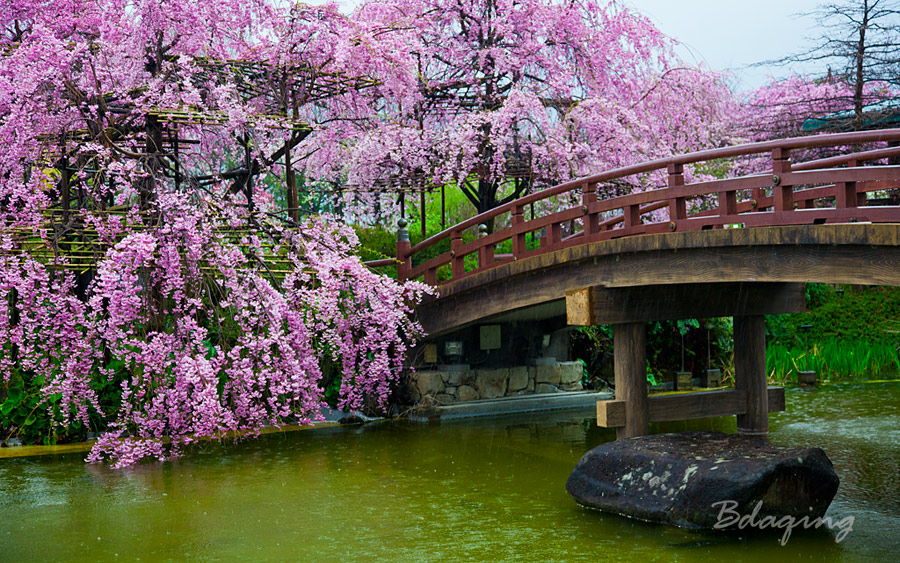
445	387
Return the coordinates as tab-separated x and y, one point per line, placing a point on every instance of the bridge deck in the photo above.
815	220
852	253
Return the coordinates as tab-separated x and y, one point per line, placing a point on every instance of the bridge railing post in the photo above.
404	260
518	241
845	195
554	235
486	252
457	262
757	198
783	194
677	206
632	215
591	221
728	203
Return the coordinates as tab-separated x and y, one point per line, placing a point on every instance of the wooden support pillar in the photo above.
177	162
750	373
845	192
153	146
519	245
727	203
756	203
293	202
632	215
64	187
248	166
629	346
486	252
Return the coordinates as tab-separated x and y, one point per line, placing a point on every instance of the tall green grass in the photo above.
834	359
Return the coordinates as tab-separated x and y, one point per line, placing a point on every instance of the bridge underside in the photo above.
536	287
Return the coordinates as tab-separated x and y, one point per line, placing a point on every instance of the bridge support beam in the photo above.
612	305
750	373
630	354
687	406
628	308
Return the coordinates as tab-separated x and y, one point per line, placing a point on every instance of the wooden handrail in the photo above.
832	161
845	185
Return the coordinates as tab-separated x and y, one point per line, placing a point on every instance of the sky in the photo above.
728	35
735	34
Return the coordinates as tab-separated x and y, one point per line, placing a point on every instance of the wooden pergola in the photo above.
160	139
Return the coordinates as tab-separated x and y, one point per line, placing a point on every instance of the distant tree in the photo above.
781	107
860	45
863	36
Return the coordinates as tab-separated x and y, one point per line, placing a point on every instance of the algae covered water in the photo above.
476	490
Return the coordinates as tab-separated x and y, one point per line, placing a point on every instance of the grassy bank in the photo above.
849	332
835	359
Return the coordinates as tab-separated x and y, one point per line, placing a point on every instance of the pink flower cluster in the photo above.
555	89
209	344
43	331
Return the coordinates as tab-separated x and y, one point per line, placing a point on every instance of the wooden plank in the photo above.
837	175
836	264
830	234
701	405
689	406
601	305
861	265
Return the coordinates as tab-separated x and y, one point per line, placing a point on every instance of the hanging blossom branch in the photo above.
134	304
199	340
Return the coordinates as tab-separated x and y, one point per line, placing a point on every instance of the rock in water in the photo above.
698	479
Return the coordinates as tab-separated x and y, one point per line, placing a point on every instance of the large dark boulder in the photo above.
696	479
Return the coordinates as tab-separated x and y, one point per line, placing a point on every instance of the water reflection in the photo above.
447	491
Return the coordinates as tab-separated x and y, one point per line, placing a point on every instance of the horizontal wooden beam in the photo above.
602	305
610	414
706	404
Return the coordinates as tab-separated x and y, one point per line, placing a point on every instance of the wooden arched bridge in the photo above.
695	247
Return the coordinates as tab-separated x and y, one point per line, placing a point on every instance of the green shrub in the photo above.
840	313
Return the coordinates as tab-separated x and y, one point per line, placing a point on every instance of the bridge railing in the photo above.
828	190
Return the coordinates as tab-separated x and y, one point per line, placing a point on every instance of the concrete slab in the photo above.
512	405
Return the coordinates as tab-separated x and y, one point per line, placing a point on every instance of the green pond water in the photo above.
476	490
